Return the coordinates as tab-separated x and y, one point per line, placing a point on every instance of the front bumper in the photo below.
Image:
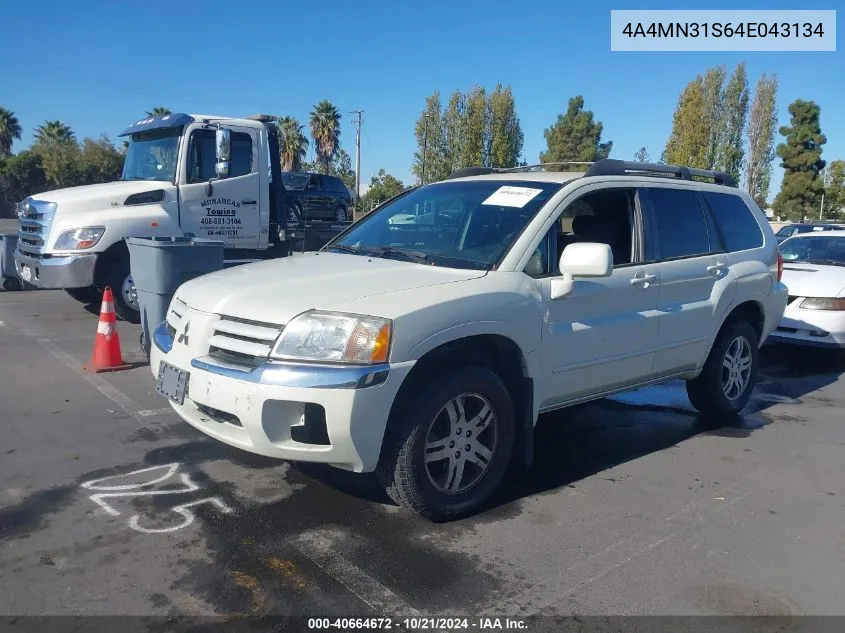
298	412
72	271
813	328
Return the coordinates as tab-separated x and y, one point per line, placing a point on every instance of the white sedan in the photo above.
814	273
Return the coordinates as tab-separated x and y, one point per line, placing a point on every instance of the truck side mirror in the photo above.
223	140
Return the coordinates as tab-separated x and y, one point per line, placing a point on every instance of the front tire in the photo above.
727	380
449	446
123	288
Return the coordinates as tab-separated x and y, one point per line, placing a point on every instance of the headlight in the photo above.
76	239
334	337
823	303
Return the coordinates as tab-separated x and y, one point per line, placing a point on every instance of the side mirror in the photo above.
223	140
582	259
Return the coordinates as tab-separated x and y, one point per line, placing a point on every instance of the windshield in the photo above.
294	181
464	224
152	155
815	250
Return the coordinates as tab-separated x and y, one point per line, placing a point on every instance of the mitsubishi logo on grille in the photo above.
183	337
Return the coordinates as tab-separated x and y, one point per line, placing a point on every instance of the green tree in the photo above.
325	130
688	143
383	186
430	162
505	137
10	131
734	109
54	133
21	175
60	154
100	161
475	129
293	144
641	155
762	125
712	83
159	111
834	190
454	131
575	137
801	190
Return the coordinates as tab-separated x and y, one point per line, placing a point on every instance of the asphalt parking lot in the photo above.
109	504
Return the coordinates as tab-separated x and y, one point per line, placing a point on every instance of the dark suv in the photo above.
316	197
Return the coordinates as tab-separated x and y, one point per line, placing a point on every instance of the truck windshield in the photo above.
460	224
152	155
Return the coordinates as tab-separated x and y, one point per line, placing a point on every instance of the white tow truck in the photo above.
210	176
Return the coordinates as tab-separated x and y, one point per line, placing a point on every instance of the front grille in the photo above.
36	217
241	341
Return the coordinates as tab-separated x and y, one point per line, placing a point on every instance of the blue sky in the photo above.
98	66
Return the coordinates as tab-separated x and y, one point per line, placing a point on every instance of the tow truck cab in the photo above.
209	176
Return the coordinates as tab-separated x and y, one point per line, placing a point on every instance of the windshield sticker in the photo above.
512	196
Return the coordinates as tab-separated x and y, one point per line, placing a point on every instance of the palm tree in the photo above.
292	143
53	133
10	130
325	129
159	111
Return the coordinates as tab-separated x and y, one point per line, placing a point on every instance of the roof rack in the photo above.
615	167
263	118
483	171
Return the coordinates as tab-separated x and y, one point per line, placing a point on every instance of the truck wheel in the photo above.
123	289
725	384
294	212
85	295
12	283
340	214
450	445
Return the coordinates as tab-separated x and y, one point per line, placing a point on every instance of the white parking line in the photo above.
322	552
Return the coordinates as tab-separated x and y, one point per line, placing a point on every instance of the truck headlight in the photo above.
334	337
823	303
76	239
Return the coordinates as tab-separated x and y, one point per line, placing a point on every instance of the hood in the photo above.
813	280
276	290
100	196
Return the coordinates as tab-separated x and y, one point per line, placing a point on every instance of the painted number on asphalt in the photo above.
153	475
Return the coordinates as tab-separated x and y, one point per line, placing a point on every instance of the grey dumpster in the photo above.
159	265
8	273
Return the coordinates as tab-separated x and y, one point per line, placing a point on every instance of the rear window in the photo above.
736	222
681	223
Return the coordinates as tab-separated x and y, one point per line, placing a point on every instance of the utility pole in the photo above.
357	121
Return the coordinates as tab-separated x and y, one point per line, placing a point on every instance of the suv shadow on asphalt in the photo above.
580	441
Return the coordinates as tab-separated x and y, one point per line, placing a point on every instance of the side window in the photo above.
241	163
607	216
681	226
735	221
202	155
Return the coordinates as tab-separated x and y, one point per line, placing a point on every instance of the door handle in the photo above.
717	267
643	279
249	202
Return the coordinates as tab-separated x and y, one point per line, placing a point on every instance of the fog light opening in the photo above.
312	427
819	333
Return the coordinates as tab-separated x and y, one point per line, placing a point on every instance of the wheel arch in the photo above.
498	352
113	253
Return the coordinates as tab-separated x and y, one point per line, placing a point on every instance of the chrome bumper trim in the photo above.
73	271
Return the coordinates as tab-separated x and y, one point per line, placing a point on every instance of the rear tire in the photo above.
12	283
85	295
442	455
727	380
120	280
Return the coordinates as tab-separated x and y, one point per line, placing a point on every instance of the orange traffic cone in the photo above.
107	355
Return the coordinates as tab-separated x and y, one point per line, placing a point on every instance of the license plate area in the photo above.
172	382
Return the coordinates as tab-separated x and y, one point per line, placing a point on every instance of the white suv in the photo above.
425	340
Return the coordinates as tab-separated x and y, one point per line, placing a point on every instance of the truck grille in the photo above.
241	341
36	216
